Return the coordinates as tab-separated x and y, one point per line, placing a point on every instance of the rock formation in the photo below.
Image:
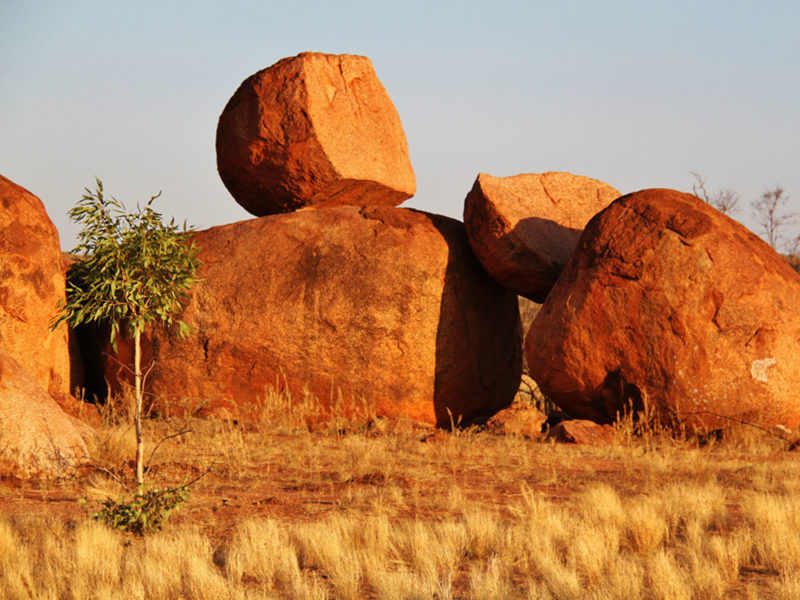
524	228
669	303
382	306
313	130
37	438
32	283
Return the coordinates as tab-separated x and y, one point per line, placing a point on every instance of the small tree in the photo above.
768	212
725	201
135	272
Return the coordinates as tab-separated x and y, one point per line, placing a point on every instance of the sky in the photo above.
638	94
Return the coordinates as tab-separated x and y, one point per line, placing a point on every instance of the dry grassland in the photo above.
372	509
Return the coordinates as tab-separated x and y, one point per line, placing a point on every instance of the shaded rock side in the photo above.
670	303
32	283
37	438
385	307
313	130
524	228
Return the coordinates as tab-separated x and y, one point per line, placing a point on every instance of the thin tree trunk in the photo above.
137	381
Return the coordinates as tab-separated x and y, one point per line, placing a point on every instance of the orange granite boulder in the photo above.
380	307
313	130
524	228
669	303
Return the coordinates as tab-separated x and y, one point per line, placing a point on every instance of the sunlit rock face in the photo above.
670	304
380	307
39	440
524	228
32	283
313	130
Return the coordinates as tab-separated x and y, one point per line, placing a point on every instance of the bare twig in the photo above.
678	414
161	441
769	214
183	430
111	474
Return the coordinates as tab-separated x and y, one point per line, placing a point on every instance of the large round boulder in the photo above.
669	304
37	438
383	307
524	228
32	283
315	129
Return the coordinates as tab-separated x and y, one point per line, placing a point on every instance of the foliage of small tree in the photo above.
135	273
144	513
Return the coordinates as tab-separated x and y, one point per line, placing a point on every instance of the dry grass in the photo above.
527	312
375	509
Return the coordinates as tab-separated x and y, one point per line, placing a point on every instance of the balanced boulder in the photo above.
313	130
32	283
524	228
671	306
37	438
379	307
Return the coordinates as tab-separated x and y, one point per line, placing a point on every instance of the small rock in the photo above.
579	431
519	419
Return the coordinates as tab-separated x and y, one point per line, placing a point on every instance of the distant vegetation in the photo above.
769	211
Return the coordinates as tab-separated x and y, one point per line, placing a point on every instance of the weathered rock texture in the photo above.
524	228
37	438
382	305
314	129
32	282
666	301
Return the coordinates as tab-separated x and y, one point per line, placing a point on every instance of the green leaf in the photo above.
136	266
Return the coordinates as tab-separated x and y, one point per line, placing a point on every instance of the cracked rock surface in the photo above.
670	303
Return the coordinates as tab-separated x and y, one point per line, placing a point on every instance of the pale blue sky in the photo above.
637	94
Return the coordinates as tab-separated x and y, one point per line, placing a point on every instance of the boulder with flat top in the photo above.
313	130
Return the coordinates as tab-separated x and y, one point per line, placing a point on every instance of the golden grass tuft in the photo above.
346	510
